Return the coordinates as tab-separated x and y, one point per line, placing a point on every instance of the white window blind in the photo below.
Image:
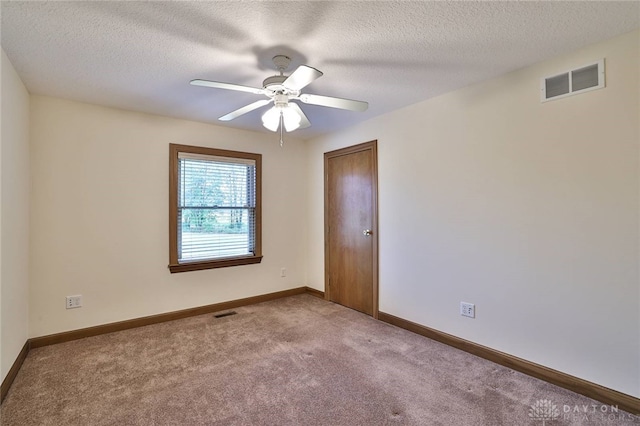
216	207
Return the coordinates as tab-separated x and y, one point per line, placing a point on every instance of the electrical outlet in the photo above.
467	309
74	301
283	272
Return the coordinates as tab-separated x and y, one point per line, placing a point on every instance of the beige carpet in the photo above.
293	361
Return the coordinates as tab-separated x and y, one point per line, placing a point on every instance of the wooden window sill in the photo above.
211	264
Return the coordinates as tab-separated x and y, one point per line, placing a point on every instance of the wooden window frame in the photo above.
198	265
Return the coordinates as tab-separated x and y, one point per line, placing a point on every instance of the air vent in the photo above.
573	82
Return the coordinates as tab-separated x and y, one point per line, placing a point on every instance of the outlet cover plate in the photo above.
73	302
467	309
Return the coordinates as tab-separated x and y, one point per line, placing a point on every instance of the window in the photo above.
214	212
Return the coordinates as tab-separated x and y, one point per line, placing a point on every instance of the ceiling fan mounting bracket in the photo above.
281	62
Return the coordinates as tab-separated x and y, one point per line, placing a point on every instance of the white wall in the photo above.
99	223
528	210
14	216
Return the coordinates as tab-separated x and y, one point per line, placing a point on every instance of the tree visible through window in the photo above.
215	208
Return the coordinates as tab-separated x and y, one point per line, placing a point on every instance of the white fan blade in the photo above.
332	102
301	77
304	121
227	86
237	113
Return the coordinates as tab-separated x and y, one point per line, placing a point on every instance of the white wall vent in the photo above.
573	82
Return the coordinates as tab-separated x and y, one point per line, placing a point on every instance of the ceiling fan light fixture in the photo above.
290	118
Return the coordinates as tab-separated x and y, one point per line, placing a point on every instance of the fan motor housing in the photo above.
274	83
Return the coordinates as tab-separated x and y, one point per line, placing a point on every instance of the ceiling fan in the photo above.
281	89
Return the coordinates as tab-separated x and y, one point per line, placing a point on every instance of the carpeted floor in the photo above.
294	361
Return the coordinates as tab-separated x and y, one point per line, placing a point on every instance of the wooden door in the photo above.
351	231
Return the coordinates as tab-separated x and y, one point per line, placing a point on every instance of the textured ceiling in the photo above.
142	55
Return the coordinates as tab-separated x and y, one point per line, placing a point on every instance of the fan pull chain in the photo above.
281	125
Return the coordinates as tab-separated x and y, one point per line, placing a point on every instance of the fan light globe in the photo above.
271	119
291	119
